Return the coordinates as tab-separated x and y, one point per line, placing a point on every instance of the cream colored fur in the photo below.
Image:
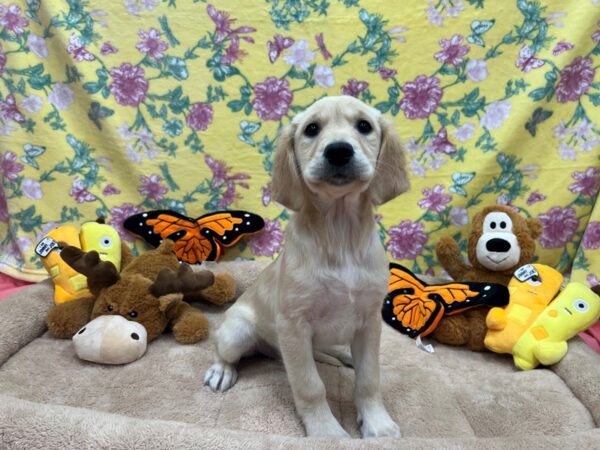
327	285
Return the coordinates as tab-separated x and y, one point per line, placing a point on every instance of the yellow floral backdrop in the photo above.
110	108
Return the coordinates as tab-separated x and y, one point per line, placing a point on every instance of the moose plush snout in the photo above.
111	340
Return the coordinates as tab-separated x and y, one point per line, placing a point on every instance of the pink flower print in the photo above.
118	214
109	189
10	18
9	110
272	98
323	76
4	216
266	194
77	50
223	26
354	87
266	242
586	182
278	45
575	80
9	167
107	48
221	177
80	192
535	197
299	55
386	73
129	85
2	60
591	237
37	45
233	53
560	225
592	279
441	144
151	44
61	96
477	70
152	188
435	199
452	51
32	189
495	114
458	216
465	132
407	240
321	44
421	97
562	47
200	116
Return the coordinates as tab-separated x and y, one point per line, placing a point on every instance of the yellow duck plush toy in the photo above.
575	309
531	289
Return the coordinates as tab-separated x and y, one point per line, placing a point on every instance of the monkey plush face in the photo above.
501	239
498	248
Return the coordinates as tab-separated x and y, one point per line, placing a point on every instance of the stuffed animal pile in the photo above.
536	324
500	241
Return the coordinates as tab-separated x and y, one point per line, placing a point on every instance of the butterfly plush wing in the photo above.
415	308
196	240
407	307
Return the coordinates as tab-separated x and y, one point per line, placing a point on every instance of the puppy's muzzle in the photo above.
339	153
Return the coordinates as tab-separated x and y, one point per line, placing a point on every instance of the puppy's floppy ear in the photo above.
286	186
391	178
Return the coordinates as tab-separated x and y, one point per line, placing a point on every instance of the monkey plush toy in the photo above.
501	240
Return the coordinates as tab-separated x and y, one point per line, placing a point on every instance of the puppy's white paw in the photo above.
324	427
378	424
220	377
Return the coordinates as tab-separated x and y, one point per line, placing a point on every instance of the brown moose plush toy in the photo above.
150	290
500	241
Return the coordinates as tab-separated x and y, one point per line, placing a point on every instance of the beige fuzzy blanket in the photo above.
453	398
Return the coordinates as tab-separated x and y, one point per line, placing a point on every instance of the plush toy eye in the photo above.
535	281
105	241
110	308
133	314
580	305
503	225
493	225
312	129
364	127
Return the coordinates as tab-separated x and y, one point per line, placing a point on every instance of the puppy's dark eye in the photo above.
110	308
133	314
364	127
493	225
312	129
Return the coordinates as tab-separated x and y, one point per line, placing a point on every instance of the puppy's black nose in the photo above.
339	153
497	245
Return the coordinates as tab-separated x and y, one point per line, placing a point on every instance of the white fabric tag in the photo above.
45	246
425	347
526	272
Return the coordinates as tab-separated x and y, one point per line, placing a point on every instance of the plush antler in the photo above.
184	280
100	274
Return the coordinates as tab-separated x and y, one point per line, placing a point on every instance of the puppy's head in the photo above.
338	146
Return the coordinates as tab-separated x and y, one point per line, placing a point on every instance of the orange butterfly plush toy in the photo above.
415	308
196	240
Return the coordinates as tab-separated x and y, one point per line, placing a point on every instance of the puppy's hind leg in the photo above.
235	338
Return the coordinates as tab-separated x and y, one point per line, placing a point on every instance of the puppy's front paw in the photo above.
324	427
378	424
220	377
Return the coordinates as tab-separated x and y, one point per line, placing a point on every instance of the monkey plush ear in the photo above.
535	227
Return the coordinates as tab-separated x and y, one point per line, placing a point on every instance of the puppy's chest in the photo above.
341	302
